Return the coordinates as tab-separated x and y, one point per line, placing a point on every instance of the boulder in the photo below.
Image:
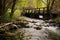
13	27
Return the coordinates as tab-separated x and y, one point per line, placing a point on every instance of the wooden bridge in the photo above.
40	13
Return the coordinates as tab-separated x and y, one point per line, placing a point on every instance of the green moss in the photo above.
38	27
23	23
46	21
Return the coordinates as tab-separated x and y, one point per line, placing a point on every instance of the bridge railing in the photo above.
33	10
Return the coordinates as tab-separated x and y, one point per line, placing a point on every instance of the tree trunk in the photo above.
1	7
12	9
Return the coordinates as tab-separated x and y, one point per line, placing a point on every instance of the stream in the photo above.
29	31
33	34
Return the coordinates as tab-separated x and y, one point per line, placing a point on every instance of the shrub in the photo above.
6	17
57	19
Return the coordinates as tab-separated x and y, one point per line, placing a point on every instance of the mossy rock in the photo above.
22	19
19	26
12	27
2	30
23	23
46	21
38	27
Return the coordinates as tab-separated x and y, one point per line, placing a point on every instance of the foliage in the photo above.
27	3
57	19
6	17
8	35
56	7
17	14
5	5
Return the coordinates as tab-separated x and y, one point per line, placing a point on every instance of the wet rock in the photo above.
45	24
13	27
19	26
30	24
34	22
51	21
38	28
37	23
23	23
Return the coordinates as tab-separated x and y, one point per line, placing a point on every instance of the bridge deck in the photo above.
36	12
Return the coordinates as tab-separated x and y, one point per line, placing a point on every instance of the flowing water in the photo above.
33	34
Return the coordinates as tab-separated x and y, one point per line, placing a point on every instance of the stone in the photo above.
13	27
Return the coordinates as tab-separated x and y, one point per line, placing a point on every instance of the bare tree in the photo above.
4	5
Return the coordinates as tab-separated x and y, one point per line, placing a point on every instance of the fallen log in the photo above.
6	24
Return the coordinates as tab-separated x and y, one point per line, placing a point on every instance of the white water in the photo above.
33	34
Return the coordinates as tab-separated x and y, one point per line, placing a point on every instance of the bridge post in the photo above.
39	11
32	10
23	12
28	11
35	10
44	13
43	10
